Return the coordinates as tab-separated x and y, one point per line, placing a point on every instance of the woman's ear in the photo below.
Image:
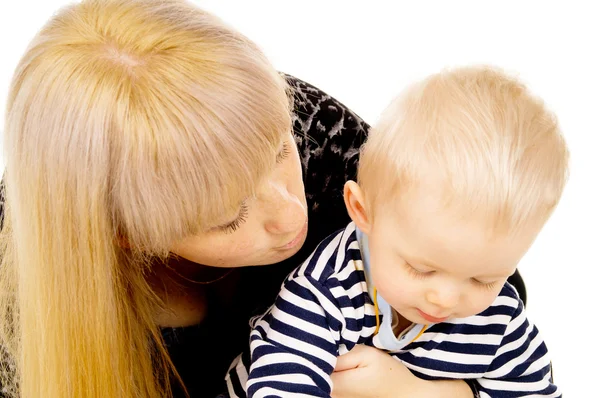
122	241
356	206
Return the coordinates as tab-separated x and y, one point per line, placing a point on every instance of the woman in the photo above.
145	138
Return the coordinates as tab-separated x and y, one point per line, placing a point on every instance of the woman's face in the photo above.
270	227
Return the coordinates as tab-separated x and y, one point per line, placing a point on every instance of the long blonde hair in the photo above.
142	121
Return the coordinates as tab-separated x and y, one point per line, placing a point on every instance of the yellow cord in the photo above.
376	310
420	333
377	322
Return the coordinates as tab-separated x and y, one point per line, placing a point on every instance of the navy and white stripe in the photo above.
324	310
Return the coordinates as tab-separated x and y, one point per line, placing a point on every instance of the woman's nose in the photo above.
284	211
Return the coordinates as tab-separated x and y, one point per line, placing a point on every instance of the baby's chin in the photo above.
414	316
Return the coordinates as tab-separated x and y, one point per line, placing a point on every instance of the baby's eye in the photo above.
485	285
418	273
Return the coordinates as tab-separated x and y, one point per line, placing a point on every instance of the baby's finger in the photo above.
353	359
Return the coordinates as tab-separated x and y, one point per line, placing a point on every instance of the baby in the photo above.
455	182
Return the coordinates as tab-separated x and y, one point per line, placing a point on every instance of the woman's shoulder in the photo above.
329	136
322	122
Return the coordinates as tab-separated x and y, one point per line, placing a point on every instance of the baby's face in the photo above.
431	265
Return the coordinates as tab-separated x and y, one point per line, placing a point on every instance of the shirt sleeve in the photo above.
521	366
294	346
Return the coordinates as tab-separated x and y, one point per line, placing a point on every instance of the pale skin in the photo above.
270	227
430	264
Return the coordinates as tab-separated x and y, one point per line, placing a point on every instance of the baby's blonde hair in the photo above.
494	148
138	121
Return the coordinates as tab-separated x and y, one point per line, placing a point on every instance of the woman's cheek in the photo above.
242	247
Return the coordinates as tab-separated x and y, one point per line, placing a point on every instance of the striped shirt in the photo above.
326	307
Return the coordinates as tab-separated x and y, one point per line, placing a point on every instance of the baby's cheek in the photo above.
481	302
397	289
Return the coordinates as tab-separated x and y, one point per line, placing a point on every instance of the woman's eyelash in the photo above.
285	151
235	224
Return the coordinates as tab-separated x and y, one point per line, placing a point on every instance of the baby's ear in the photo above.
356	206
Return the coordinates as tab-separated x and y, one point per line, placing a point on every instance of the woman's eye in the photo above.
283	154
234	225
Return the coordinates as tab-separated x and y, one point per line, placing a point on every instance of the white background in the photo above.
364	53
